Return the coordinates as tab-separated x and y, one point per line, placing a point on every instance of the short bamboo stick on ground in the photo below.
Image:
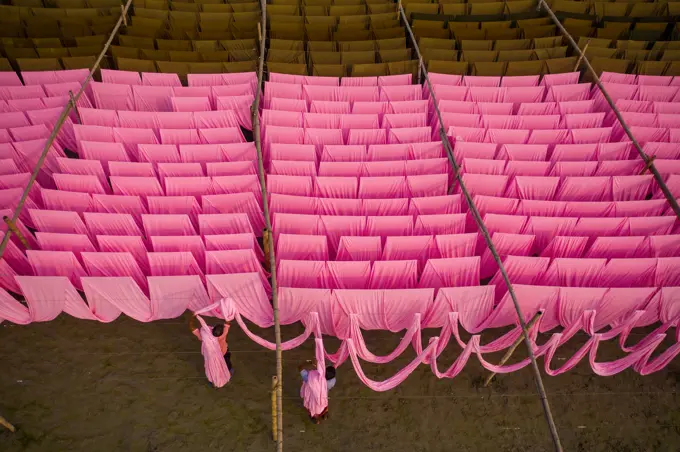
6	424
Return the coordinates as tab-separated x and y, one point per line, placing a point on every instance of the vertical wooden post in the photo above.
275	430
14	230
268	225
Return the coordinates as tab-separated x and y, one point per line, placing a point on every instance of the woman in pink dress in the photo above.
216	354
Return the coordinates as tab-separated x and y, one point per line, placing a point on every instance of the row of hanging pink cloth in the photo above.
133	137
560	189
345	313
478	306
353	346
406	262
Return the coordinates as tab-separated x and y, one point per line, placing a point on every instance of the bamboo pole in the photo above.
512	349
540	388
6	424
74	106
266	238
11	226
648	161
580	58
57	127
648	165
255	111
275	385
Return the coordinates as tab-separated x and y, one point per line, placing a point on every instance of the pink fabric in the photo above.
451	272
192	244
132	205
121	244
115	265
9	79
335	107
364	303
302	247
337	187
584	204
109	96
152	98
293	105
121	77
293	152
139	186
111	224
57	263
359	249
292	168
173	264
383	187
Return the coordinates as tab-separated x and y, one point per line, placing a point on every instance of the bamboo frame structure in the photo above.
649	162
60	122
255	112
487	238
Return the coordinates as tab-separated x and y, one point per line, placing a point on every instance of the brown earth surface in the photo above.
71	385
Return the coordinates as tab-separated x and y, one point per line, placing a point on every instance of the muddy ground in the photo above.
72	385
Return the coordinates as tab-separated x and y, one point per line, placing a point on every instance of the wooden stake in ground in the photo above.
6	424
512	349
275	384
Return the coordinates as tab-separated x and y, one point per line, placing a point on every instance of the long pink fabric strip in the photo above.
354	347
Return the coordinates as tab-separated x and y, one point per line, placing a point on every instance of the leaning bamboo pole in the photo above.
255	112
57	126
649	162
540	388
511	350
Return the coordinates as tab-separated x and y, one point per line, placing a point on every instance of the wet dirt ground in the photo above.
72	385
